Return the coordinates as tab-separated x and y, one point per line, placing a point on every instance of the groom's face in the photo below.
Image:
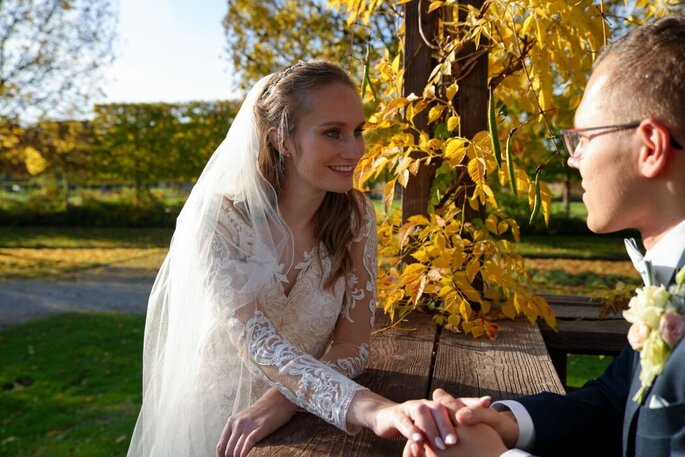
606	163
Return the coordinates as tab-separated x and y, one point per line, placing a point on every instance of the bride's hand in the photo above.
244	429
421	421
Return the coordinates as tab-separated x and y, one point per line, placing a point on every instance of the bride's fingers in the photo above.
232	442
405	425
251	439
423	415
445	426
240	446
223	441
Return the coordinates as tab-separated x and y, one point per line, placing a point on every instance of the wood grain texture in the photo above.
516	364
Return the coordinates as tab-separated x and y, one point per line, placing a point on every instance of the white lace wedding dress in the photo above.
307	344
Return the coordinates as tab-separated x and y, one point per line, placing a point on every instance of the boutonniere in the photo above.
658	318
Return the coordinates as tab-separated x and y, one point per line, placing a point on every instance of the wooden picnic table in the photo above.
409	362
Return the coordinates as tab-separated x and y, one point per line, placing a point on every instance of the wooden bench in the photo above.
581	331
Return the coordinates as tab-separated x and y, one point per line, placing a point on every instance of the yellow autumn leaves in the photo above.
458	260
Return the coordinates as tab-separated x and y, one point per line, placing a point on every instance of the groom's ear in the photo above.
655	148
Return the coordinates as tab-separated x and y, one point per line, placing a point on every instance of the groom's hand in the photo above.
471	411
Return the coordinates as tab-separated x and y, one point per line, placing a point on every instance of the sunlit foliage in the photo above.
459	260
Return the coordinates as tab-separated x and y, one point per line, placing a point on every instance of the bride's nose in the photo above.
353	149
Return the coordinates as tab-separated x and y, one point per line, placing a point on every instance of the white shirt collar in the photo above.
667	252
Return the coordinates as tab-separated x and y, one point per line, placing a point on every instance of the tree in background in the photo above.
267	35
61	148
148	143
50	53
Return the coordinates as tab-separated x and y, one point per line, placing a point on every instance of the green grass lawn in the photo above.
70	385
581	368
575	247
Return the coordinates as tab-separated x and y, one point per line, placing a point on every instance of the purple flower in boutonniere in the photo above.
672	328
658	318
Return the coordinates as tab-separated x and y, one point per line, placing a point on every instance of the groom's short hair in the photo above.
648	73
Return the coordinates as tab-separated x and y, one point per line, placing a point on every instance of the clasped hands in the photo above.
445	426
481	431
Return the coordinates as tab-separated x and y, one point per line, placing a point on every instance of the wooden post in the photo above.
471	100
418	65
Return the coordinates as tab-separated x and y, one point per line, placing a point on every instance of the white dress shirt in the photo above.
664	256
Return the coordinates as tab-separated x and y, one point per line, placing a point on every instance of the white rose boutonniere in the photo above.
658	318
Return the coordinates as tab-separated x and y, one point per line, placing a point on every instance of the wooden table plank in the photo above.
516	364
399	368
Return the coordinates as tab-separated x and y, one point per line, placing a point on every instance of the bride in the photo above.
265	301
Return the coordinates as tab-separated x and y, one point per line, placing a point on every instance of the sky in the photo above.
169	51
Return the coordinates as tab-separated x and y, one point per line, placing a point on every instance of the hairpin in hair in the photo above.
280	76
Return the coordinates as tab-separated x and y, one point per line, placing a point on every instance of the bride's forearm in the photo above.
364	408
278	400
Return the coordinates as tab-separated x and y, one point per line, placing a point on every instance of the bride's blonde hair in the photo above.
280	105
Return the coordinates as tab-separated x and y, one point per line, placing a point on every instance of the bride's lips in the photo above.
343	170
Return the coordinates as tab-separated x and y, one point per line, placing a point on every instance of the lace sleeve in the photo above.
312	384
349	351
305	381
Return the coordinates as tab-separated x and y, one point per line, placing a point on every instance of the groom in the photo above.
628	146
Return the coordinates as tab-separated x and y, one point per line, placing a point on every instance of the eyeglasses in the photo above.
572	138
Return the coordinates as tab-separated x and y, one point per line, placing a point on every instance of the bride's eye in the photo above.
359	132
334	133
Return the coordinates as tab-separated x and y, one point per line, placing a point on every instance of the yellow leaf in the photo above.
418	219
452	91
414	167
414	269
435	113
396	63
526	24
454	320
440	242
476	170
471	269
455	150
442	261
388	194
403	178
502	227
452	123
419	290
546	200
423	138
434	6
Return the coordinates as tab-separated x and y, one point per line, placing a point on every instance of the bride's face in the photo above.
327	142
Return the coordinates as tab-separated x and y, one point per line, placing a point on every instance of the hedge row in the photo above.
100	214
